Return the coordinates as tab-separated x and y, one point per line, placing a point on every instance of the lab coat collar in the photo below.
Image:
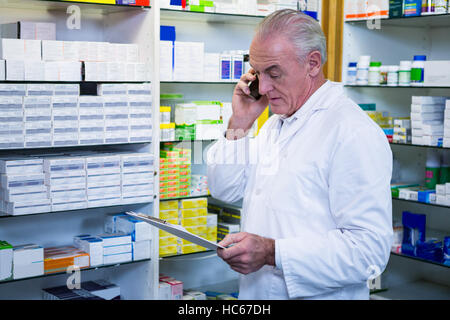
321	99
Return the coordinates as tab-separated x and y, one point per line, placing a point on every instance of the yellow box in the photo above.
167	241
195	221
168	250
173	221
190	248
197	230
193	203
211	237
168	214
168	205
196	212
164	234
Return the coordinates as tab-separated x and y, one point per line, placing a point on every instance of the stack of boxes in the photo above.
58	259
175	171
46	115
446	140
141	235
74	181
443	194
22	185
65	178
199	185
229	219
427	120
103	180
140	112
192	215
168	210
91	120
137	172
92	246
117	247
402	130
170	288
11	116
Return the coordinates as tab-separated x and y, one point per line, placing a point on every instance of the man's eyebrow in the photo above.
272	67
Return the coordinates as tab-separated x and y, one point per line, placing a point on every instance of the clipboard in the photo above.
176	230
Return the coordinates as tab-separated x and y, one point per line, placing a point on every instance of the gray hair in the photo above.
303	31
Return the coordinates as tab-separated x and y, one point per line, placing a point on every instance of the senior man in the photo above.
315	182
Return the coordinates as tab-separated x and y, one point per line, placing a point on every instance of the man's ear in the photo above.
314	63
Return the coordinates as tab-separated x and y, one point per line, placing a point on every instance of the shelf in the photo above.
178	141
419	259
73	146
397	87
120	206
435	20
417	290
416	145
55	5
84	269
200	82
422	203
190	255
190	197
231	18
67	82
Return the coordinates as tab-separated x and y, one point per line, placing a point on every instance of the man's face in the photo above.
282	78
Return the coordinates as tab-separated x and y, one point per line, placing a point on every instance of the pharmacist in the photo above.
315	183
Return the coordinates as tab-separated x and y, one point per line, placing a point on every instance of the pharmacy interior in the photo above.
109	107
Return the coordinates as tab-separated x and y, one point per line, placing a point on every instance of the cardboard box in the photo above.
94	247
115	239
58	259
142	250
104	89
21	208
29	30
15	70
18	49
117	258
67	89
437	73
138	229
28	261
176	288
52	50
6	260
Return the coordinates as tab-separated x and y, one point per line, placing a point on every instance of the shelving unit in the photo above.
99	22
219	32
400	39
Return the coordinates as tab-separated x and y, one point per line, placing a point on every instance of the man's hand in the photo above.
249	253
245	108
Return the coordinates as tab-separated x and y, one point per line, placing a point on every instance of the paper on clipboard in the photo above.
176	230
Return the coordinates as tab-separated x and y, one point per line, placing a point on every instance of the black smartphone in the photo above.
254	89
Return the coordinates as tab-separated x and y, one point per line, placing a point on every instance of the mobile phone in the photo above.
254	88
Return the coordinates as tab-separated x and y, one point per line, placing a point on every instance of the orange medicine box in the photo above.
58	259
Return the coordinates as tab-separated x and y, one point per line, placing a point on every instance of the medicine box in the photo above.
58	259
115	239
422	108
15	70
139	230
20	49
104	89
142	250
64	166
29	30
134	163
93	246
118	258
34	70
6	260
2	70
64	89
100	165
29	207
176	288
110	223
428	99
17	165
28	261
9	89
193	203
139	89
164	291
437	73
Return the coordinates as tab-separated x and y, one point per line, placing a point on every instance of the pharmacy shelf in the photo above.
422	203
55	5
193	255
415	145
396	87
78	146
420	259
211	17
200	82
82	270
417	290
91	210
190	197
177	141
435	20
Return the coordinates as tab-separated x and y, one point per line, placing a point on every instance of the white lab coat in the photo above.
321	188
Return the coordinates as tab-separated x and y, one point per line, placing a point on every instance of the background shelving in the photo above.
98	22
400	39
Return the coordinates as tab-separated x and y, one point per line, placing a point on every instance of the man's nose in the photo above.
265	86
